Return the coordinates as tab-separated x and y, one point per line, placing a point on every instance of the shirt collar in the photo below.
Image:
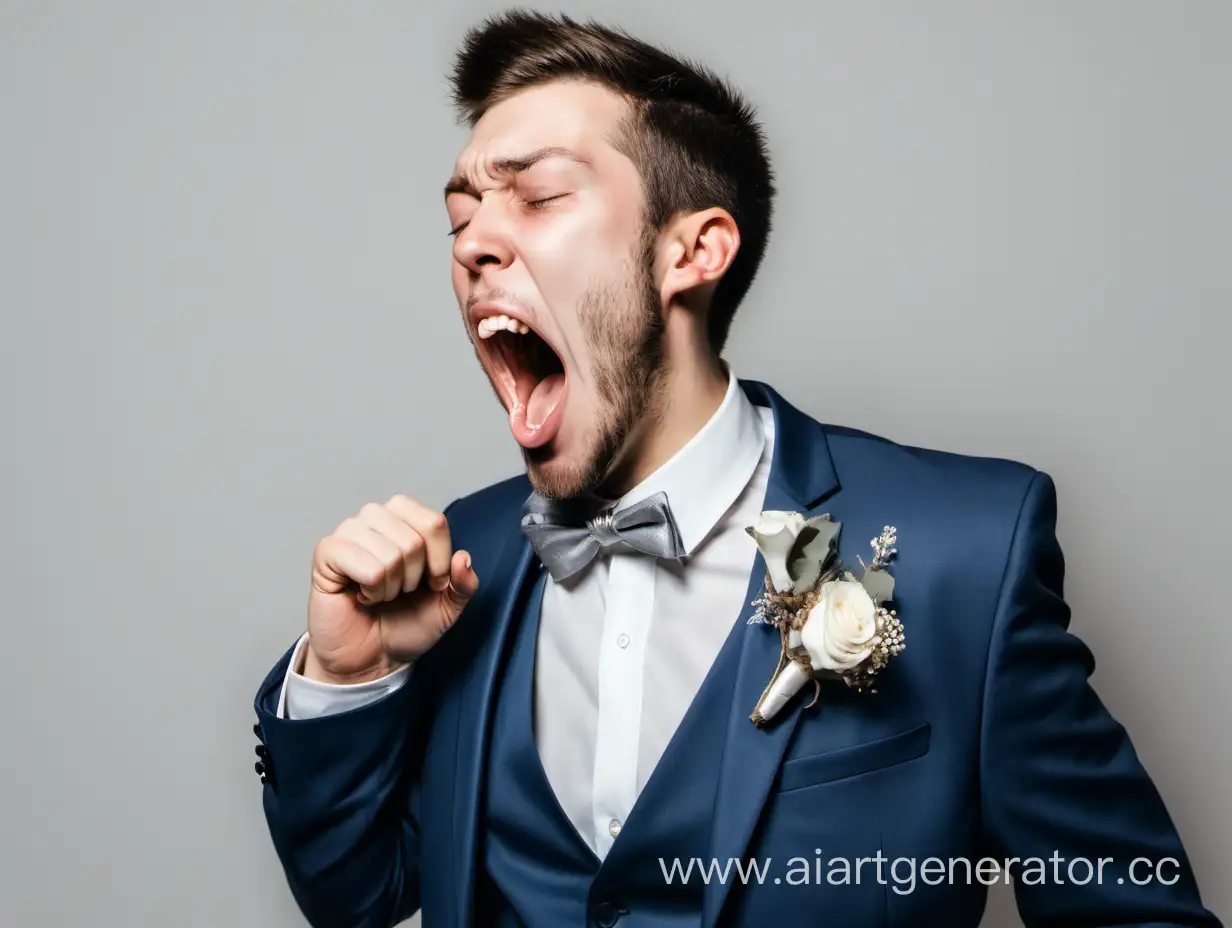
710	472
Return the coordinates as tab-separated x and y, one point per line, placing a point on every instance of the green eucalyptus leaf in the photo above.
824	524
879	584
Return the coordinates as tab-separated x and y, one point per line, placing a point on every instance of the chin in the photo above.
551	473
563	467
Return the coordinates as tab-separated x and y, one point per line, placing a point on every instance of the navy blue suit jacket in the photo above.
984	739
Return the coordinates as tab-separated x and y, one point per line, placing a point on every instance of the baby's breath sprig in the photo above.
881	547
882	552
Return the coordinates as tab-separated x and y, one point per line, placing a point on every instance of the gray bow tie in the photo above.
567	534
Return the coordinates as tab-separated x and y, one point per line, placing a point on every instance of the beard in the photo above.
624	328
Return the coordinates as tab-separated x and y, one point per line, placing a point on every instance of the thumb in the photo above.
463	582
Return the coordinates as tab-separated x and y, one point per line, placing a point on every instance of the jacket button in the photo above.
259	767
606	915
262	751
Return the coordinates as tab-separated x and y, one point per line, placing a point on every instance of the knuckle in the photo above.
369	510
328	547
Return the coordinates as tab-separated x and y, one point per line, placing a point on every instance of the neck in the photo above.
691	391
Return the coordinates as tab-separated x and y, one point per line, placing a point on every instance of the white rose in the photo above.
777	533
840	627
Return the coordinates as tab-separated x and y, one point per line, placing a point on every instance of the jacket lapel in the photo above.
801	477
475	712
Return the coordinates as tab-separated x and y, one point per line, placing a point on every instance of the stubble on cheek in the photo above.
624	332
621	384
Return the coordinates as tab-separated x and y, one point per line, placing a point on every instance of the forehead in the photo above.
577	115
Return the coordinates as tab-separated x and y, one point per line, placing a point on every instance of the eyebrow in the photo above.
503	167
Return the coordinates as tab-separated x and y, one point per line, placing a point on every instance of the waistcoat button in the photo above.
606	915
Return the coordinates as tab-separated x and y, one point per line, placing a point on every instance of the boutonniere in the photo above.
833	625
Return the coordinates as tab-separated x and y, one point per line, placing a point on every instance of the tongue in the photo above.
544	398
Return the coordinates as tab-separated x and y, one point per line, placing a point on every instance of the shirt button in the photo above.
613	827
622	640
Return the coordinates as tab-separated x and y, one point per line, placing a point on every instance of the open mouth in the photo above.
531	374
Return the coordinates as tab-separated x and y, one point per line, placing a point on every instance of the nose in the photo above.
484	243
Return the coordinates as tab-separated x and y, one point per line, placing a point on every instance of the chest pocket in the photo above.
850	761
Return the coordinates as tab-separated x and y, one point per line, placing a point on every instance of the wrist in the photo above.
314	670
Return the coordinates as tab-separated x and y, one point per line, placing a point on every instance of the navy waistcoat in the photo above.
538	871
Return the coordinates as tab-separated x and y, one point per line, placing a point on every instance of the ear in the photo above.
696	250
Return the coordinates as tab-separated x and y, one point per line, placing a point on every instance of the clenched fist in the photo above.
386	585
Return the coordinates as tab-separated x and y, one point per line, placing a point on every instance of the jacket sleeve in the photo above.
341	801
1058	774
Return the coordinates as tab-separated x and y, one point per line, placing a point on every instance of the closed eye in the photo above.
530	204
540	204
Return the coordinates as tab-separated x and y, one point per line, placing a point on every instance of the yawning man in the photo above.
702	627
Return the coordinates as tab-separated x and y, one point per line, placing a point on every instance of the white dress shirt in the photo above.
624	645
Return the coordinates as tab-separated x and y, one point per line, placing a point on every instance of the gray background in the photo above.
228	323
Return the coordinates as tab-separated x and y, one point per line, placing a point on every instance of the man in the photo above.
534	708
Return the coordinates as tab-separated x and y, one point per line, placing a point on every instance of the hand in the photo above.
386	585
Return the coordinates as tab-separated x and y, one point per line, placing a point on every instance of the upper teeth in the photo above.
490	325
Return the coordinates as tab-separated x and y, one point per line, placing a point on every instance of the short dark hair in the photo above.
691	134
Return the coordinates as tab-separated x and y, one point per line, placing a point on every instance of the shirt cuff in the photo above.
302	698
